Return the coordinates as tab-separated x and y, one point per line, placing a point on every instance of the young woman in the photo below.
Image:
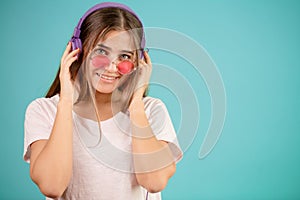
96	135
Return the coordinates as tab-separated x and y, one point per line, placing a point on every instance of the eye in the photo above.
101	51
125	57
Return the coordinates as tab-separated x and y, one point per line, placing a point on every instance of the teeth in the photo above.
106	77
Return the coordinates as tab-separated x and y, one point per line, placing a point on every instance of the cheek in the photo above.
100	61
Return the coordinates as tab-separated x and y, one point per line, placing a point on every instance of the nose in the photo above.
112	67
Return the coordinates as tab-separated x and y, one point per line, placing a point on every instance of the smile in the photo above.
107	77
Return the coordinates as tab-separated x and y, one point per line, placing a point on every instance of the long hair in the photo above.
95	27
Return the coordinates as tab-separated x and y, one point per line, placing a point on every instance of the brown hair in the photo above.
95	27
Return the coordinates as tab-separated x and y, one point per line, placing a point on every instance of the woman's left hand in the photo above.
145	70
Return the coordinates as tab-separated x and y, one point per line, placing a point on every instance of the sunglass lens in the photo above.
125	67
100	61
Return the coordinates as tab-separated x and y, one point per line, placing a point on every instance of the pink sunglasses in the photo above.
124	67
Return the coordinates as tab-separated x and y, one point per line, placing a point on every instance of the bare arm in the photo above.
51	160
153	160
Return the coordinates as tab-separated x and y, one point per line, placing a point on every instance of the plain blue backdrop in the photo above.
255	45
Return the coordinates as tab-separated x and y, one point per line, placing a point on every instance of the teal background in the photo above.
255	45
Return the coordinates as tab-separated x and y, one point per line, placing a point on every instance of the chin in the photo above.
105	89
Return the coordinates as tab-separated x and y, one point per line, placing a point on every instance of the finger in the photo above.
67	50
68	63
142	63
72	54
146	60
147	57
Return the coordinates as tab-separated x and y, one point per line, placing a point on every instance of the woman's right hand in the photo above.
66	83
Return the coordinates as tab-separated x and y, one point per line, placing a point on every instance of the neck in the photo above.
102	98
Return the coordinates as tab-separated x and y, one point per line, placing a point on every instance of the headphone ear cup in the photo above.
76	43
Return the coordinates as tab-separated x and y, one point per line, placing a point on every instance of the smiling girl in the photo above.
96	134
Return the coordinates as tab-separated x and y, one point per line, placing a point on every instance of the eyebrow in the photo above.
108	48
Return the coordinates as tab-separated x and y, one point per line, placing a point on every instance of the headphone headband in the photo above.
75	40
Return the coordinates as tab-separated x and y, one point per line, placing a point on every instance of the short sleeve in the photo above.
37	126
162	127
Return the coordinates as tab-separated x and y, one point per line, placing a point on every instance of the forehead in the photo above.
118	40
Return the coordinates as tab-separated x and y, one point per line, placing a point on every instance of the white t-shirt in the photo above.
101	170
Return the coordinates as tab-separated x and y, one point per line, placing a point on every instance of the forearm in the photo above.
53	165
153	160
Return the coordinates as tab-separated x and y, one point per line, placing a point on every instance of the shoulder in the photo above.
152	103
43	104
155	107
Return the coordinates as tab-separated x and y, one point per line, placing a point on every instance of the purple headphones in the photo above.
75	40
